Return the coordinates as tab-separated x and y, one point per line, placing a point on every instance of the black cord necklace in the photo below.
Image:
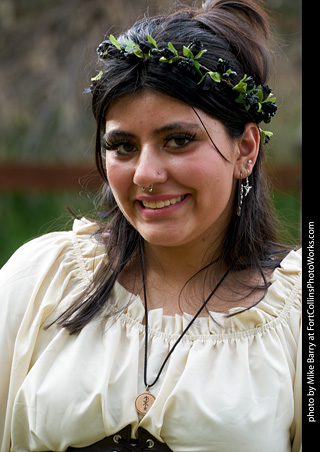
145	400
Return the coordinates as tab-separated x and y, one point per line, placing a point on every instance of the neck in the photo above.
176	263
168	269
169	291
187	259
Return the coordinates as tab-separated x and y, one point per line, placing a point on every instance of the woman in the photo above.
174	324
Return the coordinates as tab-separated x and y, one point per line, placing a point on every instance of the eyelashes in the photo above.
120	147
126	146
180	140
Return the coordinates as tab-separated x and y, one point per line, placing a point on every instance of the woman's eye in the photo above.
125	148
121	148
179	141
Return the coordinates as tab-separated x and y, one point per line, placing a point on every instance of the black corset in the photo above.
122	442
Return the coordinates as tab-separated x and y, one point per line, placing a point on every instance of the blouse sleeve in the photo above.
34	281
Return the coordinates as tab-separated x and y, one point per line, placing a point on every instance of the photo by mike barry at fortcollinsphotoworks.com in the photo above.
310	337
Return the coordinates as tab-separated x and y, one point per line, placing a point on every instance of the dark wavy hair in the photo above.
237	31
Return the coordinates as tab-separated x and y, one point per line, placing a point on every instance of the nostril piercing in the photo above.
149	189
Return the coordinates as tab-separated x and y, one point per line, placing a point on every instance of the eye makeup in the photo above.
124	143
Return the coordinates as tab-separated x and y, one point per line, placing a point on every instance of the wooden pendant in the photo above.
144	401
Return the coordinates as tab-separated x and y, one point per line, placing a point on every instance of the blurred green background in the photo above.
47	48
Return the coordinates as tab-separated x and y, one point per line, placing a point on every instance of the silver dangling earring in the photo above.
241	189
240	195
247	187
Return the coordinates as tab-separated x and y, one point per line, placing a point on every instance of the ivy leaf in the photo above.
241	100
115	42
150	39
241	87
259	94
97	77
130	45
172	48
265	135
199	55
196	64
187	53
216	76
172	60
270	98
138	52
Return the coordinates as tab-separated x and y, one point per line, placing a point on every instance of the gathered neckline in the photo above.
283	292
267	314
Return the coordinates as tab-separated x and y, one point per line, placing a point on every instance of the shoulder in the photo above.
285	292
44	268
286	281
293	260
288	274
48	249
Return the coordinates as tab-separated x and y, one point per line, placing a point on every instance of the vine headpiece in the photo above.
255	99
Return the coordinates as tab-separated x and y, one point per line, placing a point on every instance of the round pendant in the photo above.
144	402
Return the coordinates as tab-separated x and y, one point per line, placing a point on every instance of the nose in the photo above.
150	168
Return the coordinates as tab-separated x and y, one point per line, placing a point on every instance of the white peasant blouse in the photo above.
232	388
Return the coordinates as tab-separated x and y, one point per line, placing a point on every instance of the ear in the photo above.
248	149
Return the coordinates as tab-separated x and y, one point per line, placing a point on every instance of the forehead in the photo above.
150	106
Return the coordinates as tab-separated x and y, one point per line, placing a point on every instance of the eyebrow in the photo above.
176	125
167	128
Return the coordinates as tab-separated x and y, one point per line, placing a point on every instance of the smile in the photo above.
162	204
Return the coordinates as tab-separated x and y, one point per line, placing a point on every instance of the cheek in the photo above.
209	173
120	184
119	178
215	184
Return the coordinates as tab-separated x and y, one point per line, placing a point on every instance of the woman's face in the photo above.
155	139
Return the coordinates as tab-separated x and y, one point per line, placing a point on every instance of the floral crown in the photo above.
257	100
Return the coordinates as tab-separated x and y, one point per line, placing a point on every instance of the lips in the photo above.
162	203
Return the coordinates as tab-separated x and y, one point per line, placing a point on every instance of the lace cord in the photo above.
184	331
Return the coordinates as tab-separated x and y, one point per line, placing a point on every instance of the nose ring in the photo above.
149	189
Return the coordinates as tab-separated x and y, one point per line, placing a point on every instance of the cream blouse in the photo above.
232	388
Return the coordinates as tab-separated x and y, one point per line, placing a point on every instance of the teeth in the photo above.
161	204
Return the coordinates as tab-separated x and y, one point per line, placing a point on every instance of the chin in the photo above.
166	238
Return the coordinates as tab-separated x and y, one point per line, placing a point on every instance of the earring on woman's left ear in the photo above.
243	191
240	195
247	187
